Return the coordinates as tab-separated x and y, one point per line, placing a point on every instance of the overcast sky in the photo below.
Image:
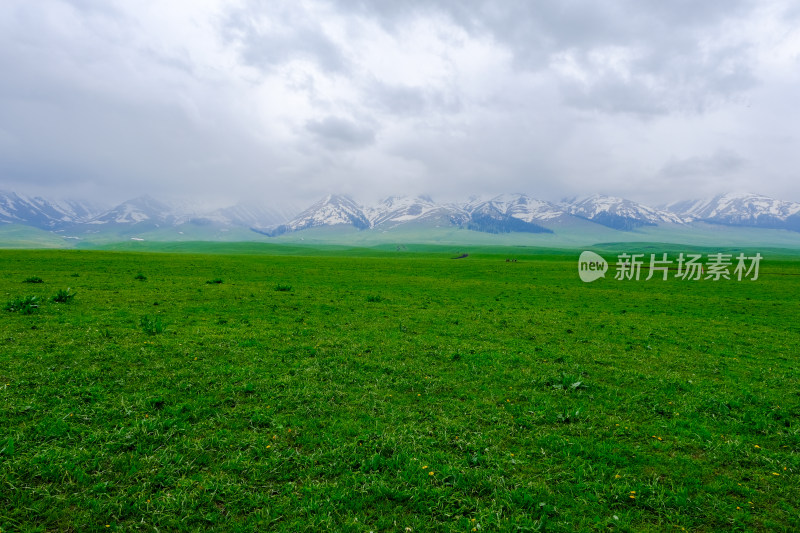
285	101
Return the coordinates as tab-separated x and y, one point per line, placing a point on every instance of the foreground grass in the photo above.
252	393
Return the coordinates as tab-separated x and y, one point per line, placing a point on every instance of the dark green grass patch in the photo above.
26	305
64	296
151	325
386	393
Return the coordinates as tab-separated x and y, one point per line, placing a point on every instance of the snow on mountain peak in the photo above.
332	210
736	208
520	206
501	213
602	206
399	209
43	213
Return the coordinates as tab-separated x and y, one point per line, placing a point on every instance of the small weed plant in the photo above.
33	279
26	305
140	277
64	296
215	281
283	288
151	326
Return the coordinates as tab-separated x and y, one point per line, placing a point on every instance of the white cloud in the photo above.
296	99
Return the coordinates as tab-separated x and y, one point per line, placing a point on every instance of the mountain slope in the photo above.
250	215
619	213
519	206
511	213
41	213
741	210
333	210
136	211
399	210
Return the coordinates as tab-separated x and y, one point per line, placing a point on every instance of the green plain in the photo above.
265	388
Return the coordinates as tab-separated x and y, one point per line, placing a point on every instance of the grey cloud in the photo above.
269	36
336	133
83	113
673	71
397	99
791	12
611	94
94	6
670	86
406	101
721	163
553	26
391	14
112	147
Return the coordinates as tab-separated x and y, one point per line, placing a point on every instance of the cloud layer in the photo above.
286	101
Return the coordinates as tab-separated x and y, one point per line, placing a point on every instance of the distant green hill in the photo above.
18	236
572	233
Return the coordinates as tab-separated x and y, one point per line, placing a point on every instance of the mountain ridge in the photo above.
504	213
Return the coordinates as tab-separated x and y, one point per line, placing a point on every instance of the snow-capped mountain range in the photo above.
397	210
741	210
619	213
41	213
500	214
69	215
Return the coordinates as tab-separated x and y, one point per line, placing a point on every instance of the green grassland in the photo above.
18	236
393	389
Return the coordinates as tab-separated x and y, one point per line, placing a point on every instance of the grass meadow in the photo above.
345	390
